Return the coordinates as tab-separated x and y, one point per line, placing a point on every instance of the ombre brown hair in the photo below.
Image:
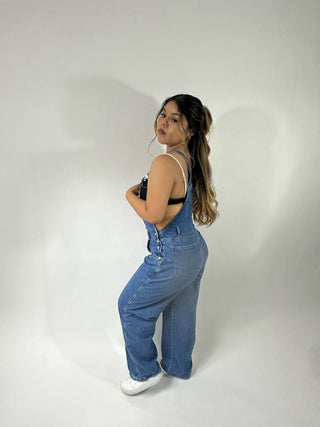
199	120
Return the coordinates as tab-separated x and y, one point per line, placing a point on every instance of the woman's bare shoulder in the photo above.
162	161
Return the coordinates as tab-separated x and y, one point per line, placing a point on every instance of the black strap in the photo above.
177	201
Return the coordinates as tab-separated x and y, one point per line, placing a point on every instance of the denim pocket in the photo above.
188	260
186	245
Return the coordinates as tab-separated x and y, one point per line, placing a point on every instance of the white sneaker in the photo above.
133	387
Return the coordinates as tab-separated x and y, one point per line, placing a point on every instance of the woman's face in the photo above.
170	125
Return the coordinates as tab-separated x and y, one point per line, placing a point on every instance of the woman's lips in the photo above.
161	131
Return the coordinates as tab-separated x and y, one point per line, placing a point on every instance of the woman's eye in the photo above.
173	119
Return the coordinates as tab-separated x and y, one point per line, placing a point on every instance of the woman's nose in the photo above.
164	121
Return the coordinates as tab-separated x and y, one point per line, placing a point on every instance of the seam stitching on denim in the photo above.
172	334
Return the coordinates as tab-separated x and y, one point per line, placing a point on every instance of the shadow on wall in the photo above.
87	223
244	163
265	248
112	117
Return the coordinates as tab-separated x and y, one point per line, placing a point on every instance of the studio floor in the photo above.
264	374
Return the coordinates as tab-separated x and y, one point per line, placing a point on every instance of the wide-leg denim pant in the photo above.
167	282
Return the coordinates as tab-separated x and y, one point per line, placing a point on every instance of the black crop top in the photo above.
143	187
142	193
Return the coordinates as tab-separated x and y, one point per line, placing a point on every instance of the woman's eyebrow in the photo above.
177	114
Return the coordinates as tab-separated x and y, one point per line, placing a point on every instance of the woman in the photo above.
176	191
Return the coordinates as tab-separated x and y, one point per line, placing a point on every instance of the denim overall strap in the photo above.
187	161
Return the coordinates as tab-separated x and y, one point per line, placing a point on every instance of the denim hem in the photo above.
181	376
144	378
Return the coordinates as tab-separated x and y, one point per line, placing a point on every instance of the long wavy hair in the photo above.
204	203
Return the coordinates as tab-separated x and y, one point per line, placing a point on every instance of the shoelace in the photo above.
133	382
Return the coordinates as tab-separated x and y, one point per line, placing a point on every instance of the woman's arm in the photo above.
160	183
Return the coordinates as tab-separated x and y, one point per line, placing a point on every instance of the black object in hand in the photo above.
143	186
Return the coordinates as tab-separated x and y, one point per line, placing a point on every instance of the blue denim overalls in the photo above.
167	282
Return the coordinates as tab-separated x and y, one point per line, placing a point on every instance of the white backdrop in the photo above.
81	82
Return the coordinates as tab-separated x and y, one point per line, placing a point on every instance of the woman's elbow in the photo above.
154	217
